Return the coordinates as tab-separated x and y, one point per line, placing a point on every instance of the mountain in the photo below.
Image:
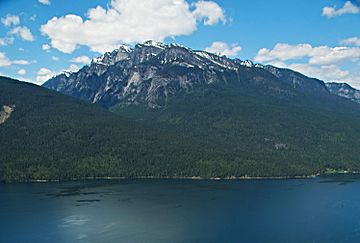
257	120
46	135
151	73
344	90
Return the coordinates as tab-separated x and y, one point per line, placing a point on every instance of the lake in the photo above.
298	210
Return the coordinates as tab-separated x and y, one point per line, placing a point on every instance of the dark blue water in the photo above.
313	210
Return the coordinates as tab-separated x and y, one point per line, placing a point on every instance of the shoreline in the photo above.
190	178
194	178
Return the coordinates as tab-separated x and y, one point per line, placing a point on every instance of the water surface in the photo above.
311	210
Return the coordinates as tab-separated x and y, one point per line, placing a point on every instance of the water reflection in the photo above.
317	210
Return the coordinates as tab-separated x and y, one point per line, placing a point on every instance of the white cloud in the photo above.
129	21
21	62
326	72
72	68
43	75
348	8
323	72
22	72
81	59
3	42
23	32
5	61
283	52
224	49
353	41
10	20
210	12
45	2
322	62
6	41
46	47
55	58
321	55
325	55
330	73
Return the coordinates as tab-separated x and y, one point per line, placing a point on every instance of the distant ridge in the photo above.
344	90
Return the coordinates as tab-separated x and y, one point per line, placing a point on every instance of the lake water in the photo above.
309	210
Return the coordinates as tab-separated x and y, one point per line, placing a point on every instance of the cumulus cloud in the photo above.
81	60
5	61
55	58
322	62
321	55
3	42
46	47
6	41
22	72
43	75
326	72
10	20
325	55
72	68
330	73
21	62
129	21
323	72
223	48
45	2
353	41
283	52
348	8
210	12
23	32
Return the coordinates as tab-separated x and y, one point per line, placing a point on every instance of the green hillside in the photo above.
219	131
262	134
52	136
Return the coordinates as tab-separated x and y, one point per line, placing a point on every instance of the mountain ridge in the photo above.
259	118
187	113
151	72
344	90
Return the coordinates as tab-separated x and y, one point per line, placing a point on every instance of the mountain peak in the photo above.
153	43
110	58
247	63
153	72
124	47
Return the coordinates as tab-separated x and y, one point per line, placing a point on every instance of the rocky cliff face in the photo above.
344	90
151	73
5	112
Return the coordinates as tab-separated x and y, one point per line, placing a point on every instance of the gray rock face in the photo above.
5	112
152	72
299	81
344	90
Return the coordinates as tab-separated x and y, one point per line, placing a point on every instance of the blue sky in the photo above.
320	38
